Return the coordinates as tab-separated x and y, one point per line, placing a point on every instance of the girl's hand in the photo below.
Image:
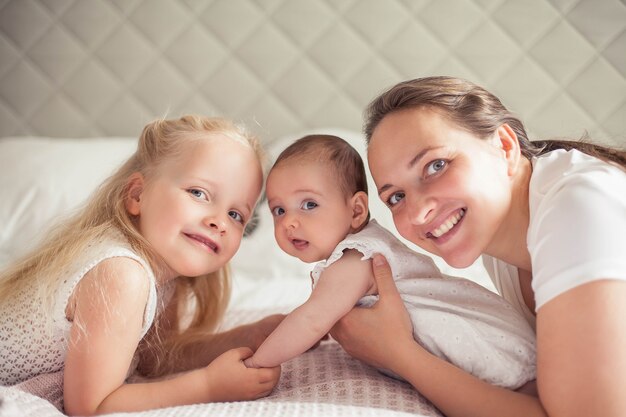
370	334
230	380
255	333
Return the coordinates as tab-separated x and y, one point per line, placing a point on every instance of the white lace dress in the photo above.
453	318
27	346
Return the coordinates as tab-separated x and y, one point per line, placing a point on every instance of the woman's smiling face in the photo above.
448	191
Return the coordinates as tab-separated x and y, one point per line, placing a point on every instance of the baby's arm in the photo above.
107	309
342	284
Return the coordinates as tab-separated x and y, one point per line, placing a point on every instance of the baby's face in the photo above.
311	214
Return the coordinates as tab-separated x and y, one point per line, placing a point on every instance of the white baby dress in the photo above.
456	319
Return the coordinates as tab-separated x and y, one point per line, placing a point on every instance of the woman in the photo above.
462	179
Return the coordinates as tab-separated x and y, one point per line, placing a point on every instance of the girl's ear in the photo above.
134	188
360	210
508	142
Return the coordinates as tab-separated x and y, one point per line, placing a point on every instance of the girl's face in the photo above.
311	213
195	209
448	191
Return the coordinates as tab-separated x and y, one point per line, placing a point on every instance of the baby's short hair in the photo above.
342	157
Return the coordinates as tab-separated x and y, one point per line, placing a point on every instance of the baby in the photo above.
317	193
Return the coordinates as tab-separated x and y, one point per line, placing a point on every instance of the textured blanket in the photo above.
323	382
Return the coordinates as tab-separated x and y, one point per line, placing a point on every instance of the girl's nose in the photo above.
216	223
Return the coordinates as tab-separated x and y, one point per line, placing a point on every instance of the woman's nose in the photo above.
420	209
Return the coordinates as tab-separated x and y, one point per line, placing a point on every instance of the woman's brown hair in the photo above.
473	109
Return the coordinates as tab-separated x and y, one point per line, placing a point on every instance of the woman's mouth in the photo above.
205	241
447	225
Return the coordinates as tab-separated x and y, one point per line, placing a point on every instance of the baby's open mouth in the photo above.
299	243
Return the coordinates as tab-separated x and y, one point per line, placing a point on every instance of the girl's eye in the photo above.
278	211
395	198
309	205
197	193
236	216
435	166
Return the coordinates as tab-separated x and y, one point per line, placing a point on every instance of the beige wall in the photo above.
101	68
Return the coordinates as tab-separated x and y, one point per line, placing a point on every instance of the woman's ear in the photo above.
134	187
508	142
360	210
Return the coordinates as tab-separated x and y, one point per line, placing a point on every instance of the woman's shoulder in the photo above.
560	168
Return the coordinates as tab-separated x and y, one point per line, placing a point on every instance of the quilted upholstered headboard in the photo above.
104	68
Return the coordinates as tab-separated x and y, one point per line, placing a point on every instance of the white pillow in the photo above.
44	178
255	252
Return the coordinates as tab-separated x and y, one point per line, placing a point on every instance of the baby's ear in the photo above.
360	210
134	187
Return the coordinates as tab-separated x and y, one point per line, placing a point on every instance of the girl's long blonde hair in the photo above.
208	295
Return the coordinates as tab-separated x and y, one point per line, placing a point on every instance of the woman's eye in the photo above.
236	216
278	211
395	198
197	193
435	166
309	205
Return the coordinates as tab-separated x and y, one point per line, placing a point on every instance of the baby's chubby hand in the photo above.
229	379
250	362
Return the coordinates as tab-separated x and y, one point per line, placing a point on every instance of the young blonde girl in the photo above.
139	277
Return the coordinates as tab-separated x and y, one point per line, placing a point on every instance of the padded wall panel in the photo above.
99	68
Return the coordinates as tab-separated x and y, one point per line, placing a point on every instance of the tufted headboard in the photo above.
77	68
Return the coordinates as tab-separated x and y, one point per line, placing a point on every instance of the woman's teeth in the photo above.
448	224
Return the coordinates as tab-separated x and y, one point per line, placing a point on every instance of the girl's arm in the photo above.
107	309
201	351
581	355
342	284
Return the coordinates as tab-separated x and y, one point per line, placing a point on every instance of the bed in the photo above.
79	79
39	186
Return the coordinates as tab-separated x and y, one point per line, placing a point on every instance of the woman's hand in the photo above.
369	334
229	379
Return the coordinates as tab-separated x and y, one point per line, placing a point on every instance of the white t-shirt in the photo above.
577	228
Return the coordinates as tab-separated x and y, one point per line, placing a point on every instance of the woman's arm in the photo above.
581	350
107	312
342	284
382	336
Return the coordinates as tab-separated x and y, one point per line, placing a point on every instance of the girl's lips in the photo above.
203	240
447	225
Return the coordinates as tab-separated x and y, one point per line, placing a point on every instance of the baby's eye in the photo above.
236	216
309	205
395	198
278	211
435	166
197	193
